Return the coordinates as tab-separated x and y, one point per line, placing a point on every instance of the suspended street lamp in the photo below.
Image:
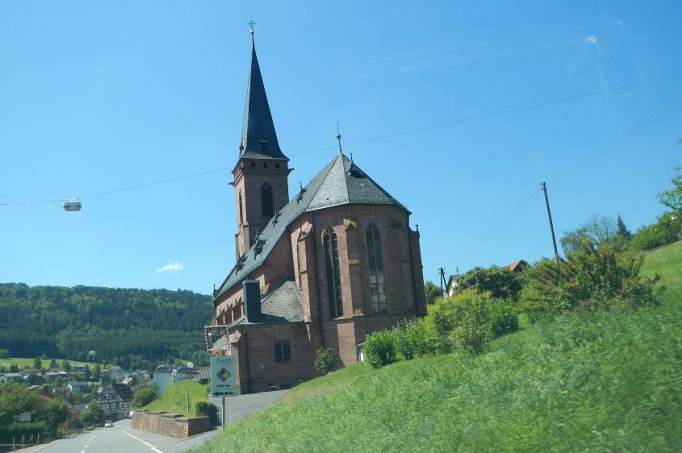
72	205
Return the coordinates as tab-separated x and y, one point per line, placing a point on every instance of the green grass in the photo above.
608	382
667	262
24	362
174	399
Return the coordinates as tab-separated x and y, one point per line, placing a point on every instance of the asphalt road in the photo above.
121	438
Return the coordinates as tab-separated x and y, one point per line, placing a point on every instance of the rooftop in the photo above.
340	182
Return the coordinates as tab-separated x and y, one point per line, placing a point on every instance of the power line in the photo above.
497	113
376	138
525	200
153	183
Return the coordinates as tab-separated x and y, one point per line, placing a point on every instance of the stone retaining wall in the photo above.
170	425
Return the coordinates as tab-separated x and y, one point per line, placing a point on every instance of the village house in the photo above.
326	268
77	387
115	401
11	378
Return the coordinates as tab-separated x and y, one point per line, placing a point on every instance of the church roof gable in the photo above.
340	182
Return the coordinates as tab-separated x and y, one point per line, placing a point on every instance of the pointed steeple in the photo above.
259	139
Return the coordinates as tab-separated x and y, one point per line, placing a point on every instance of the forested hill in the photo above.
115	322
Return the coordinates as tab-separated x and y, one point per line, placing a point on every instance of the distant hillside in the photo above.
122	324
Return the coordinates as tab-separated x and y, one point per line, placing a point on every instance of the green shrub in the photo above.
666	230
380	348
413	338
500	282
463	321
204	409
503	320
143	396
590	278
325	360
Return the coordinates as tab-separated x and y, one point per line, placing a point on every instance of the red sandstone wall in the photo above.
345	333
262	370
250	176
300	256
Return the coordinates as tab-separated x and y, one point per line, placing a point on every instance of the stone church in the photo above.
324	268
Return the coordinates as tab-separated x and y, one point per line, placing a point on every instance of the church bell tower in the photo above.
260	175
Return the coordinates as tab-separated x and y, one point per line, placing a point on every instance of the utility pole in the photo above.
543	187
443	283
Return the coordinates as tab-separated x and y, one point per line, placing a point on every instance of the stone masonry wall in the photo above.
170	425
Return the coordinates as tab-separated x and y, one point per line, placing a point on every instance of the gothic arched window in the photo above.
376	270
266	200
241	209
331	258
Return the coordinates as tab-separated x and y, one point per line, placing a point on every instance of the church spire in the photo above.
259	139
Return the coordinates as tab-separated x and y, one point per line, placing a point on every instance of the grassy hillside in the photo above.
608	382
667	262
174	399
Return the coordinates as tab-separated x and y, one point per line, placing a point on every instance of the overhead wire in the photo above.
510	214
493	114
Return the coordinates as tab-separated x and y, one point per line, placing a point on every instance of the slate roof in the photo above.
340	182
259	139
123	391
283	304
221	343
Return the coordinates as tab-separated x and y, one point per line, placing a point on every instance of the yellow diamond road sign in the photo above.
223	376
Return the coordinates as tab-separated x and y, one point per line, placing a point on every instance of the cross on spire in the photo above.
338	138
251	23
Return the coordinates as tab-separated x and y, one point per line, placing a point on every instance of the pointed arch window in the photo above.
241	209
331	258
266	200
376	270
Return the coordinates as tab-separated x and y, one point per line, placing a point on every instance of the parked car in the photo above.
108	424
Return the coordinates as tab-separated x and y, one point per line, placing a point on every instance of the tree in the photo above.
4	353
432	292
623	231
143	396
55	413
97	372
92	416
673	198
86	372
66	365
500	282
53	364
597	230
37	363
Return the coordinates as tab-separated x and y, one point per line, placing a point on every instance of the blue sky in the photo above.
99	95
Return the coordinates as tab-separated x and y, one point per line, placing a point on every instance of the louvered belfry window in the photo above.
266	200
376	270
331	257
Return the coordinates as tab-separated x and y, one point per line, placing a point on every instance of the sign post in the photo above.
223	413
222	379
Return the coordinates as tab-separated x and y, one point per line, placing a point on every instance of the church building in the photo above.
327	267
